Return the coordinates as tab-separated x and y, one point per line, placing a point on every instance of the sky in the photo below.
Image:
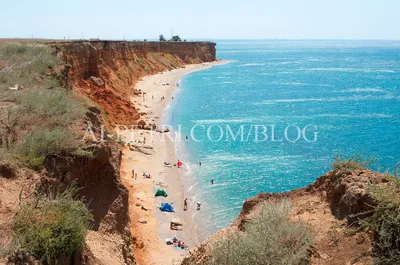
205	19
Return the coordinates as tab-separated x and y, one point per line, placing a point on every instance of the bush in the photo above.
52	226
385	222
47	104
25	64
39	143
272	238
352	163
43	112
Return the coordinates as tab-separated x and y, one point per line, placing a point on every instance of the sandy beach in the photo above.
150	227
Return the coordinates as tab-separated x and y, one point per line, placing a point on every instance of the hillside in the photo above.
342	209
106	71
49	94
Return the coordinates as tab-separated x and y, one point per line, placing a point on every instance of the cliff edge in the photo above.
106	71
334	207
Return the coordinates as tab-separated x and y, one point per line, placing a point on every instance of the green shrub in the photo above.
52	226
385	222
272	238
47	104
43	112
352	163
25	64
39	143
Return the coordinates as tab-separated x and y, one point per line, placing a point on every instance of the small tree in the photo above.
176	38
162	38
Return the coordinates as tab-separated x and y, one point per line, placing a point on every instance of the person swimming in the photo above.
212	181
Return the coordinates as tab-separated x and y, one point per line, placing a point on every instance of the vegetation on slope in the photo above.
352	163
37	113
51	225
384	221
271	238
39	117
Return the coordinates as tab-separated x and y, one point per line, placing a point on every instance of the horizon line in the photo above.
203	39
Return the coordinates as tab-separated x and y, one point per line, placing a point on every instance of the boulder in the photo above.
97	81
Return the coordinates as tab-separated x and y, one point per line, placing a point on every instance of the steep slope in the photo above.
329	206
106	71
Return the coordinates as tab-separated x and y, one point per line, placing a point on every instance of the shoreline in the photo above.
149	237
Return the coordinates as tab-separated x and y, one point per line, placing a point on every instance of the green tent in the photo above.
161	192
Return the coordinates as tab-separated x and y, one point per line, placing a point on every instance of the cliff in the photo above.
332	206
109	240
106	71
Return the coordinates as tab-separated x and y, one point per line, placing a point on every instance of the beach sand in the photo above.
149	238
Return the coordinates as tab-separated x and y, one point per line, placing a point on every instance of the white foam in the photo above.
344	69
216	121
251	64
365	89
334	99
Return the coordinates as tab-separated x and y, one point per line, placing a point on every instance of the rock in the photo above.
97	81
142	221
138	204
94	109
136	92
16	87
147	150
141	124
163	130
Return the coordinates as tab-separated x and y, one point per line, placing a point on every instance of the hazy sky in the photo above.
216	19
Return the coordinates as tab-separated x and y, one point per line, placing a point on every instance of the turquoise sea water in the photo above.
349	90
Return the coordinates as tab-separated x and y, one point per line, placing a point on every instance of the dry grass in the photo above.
37	119
352	163
52	225
384	222
272	238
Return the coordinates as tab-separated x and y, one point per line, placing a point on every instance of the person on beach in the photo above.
198	206
185	205
212	181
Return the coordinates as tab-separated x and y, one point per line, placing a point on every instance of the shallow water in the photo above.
348	90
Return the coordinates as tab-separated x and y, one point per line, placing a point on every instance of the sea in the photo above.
274	117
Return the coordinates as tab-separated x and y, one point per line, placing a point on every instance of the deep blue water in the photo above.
349	90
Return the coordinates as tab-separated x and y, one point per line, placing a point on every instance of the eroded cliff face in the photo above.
331	206
106	71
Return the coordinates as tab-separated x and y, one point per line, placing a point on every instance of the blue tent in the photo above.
166	207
